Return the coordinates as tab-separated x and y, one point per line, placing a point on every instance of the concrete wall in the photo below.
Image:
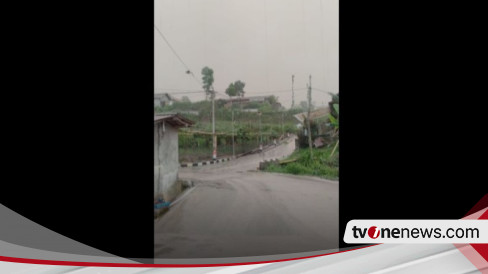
166	162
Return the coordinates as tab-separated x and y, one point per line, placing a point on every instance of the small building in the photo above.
162	99
314	115
260	99
319	116
166	162
244	100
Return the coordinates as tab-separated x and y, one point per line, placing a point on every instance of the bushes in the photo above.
322	165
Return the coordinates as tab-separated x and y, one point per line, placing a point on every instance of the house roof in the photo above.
245	99
316	114
257	97
162	95
173	119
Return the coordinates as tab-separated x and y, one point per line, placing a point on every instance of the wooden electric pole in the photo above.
260	133
233	144
309	131
282	123
214	137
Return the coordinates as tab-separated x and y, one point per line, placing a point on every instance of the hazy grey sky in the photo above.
260	42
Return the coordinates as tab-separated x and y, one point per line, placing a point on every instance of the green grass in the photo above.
322	165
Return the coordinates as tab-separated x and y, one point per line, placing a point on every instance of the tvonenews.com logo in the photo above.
416	231
374	232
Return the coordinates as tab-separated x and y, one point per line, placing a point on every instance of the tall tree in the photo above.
272	100
239	86
208	80
231	90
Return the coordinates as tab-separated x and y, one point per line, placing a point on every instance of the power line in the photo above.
185	92
177	90
222	93
277	91
321	90
188	71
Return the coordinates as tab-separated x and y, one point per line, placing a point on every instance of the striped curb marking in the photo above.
206	162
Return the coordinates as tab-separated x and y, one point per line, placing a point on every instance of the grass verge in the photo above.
321	164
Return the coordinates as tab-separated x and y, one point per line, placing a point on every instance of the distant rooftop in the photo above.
161	95
315	114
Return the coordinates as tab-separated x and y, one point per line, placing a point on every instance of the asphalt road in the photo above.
235	210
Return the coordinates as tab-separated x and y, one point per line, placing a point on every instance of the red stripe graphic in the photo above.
477	254
71	263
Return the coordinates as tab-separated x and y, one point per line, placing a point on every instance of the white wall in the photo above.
166	162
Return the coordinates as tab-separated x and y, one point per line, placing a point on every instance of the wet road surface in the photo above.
235	210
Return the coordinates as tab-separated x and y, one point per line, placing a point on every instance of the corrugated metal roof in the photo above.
316	114
173	119
162	117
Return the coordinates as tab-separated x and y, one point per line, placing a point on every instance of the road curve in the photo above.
235	210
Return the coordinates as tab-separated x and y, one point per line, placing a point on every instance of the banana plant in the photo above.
335	122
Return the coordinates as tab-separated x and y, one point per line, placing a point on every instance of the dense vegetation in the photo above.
255	122
195	143
274	120
322	164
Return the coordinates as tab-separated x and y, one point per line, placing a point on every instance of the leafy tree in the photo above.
208	80
272	100
265	108
231	90
185	99
239	87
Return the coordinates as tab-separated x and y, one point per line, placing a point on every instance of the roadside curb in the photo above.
163	206
183	195
206	162
309	177
254	151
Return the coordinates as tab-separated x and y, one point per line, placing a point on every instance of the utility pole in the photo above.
292	92
214	137
282	127
233	144
308	116
260	133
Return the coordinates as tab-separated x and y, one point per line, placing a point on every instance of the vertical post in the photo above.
282	123
233	144
214	137
260	133
308	116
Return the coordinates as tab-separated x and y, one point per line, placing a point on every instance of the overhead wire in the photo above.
188	71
